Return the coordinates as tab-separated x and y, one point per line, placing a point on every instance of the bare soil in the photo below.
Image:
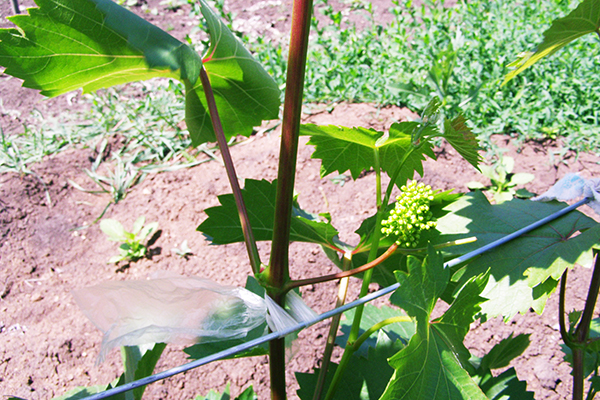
47	346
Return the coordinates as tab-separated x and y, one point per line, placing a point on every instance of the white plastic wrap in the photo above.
178	309
572	186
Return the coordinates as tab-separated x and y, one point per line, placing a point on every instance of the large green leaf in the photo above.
357	149
342	149
524	272
435	364
245	93
354	149
68	44
581	21
223	223
367	376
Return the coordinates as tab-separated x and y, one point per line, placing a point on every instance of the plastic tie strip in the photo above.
571	187
181	310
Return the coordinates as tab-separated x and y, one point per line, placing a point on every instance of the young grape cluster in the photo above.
410	215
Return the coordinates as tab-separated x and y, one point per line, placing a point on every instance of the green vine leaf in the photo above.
435	364
581	21
400	142
353	149
342	149
223	223
245	93
525	271
464	141
507	384
68	44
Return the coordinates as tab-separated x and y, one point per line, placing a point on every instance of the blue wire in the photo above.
301	325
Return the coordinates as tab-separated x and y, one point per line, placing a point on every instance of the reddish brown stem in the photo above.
278	272
231	174
310	281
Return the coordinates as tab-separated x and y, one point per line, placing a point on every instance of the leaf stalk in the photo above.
251	247
361	339
344	274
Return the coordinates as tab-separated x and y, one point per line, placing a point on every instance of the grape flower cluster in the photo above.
410	215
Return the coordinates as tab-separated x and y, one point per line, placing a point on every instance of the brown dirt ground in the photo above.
47	346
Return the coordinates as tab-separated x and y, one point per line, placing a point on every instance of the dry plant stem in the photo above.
333	328
231	174
344	274
278	272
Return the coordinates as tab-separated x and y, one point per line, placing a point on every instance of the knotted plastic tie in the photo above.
571	187
178	309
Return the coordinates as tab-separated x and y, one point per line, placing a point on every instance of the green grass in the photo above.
144	120
460	55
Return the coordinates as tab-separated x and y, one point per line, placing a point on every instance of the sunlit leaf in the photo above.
68	44
581	21
524	271
342	149
245	94
353	149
